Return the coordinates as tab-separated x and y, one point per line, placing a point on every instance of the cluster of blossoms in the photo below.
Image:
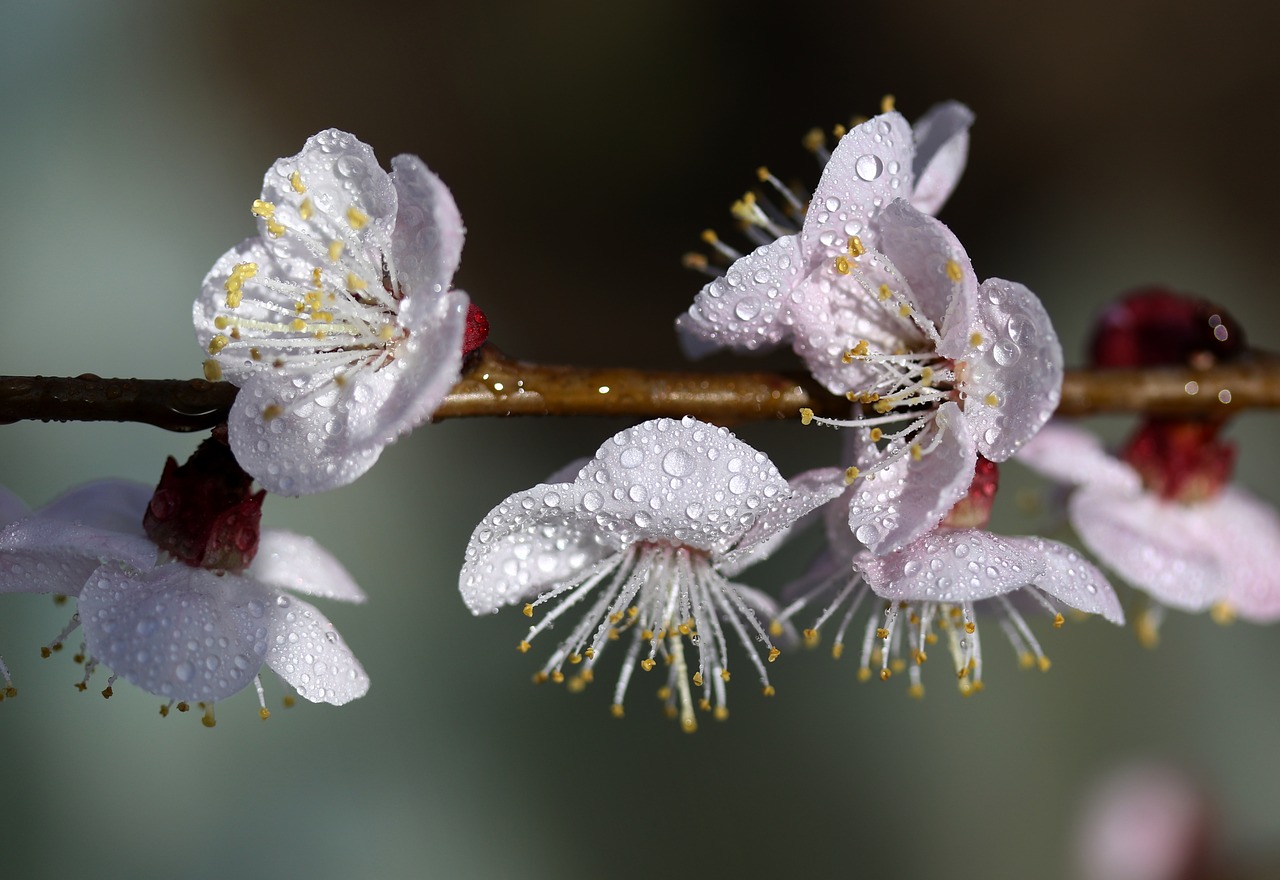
338	324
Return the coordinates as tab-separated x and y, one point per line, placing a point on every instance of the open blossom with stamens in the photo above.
762	299
936	588
336	320
646	539
178	629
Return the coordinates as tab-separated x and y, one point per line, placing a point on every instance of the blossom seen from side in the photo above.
933	591
337	320
758	302
645	541
184	632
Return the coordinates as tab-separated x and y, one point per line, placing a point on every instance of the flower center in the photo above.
1181	460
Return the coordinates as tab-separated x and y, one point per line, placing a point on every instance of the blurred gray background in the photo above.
587	144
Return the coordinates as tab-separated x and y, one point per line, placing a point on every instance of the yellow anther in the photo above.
647	664
876	434
1043	662
1222	613
762	174
856	248
975	339
218	343
842	265
587	676
953	270
904	311
916	452
1026	660
695	261
295	181
274	227
664	693
814	140
920	657
774	654
557	677
861	349
221	322
272	411
724	674
810	638
107	692
775	628
898	664
335	251
577	684
298	324
964	672
254	354
689	724
864	674
164	711
684	629
356	283
882	633
837	650
886	104
970	626
847	358
931	638
647	635
884	674
614	635
263	209
1058	621
806	415
615	617
916	691
992	399
632	612
234	294
697	679
539	677
207	719
885	292
617	710
926	375
357	218
839	130
590	653
850	474
212	371
709	236
768	690
523	647
721	713
528	609
289	701
966	688
385	333
305	210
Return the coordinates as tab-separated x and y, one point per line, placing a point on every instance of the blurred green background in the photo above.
587	145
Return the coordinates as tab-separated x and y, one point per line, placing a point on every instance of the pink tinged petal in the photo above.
533	540
1073	580
1072	455
1013	374
942	285
952	566
685	482
1162	549
1244	533
176	631
338	174
869	168
908	498
40	555
427	244
746	308
808	492
942	148
109	505
287	561
11	507
306	651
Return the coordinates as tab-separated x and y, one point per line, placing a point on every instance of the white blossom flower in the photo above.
761	300
11	508
336	320
181	632
647	537
938	586
1200	545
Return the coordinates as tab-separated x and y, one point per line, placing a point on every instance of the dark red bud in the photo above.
1181	460
973	511
1155	327
477	330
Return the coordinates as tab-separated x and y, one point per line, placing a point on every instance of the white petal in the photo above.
1073	455
530	541
1019	361
952	566
1245	537
908	498
175	631
295	562
942	148
686	482
339	174
427	244
109	505
307	652
1162	549
11	507
808	492
870	167
745	309
1072	579
39	555
928	255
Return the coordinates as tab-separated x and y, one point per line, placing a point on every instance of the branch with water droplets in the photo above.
496	385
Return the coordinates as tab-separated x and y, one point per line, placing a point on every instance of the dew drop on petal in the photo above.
867	534
631	457
868	167
747	308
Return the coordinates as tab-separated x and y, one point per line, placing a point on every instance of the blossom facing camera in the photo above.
337	320
646	539
177	629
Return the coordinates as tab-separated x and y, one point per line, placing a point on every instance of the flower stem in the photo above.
496	385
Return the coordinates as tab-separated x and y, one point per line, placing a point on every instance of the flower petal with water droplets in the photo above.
295	562
1072	579
942	149
951	566
306	651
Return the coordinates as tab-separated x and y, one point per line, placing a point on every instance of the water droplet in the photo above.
738	484
961	550
868	167
638	493
747	308
867	533
592	501
551	499
146	626
1021	329
1006	352
631	457
991	435
833	204
693	511
185	671
677	463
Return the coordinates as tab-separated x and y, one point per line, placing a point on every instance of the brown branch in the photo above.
496	385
